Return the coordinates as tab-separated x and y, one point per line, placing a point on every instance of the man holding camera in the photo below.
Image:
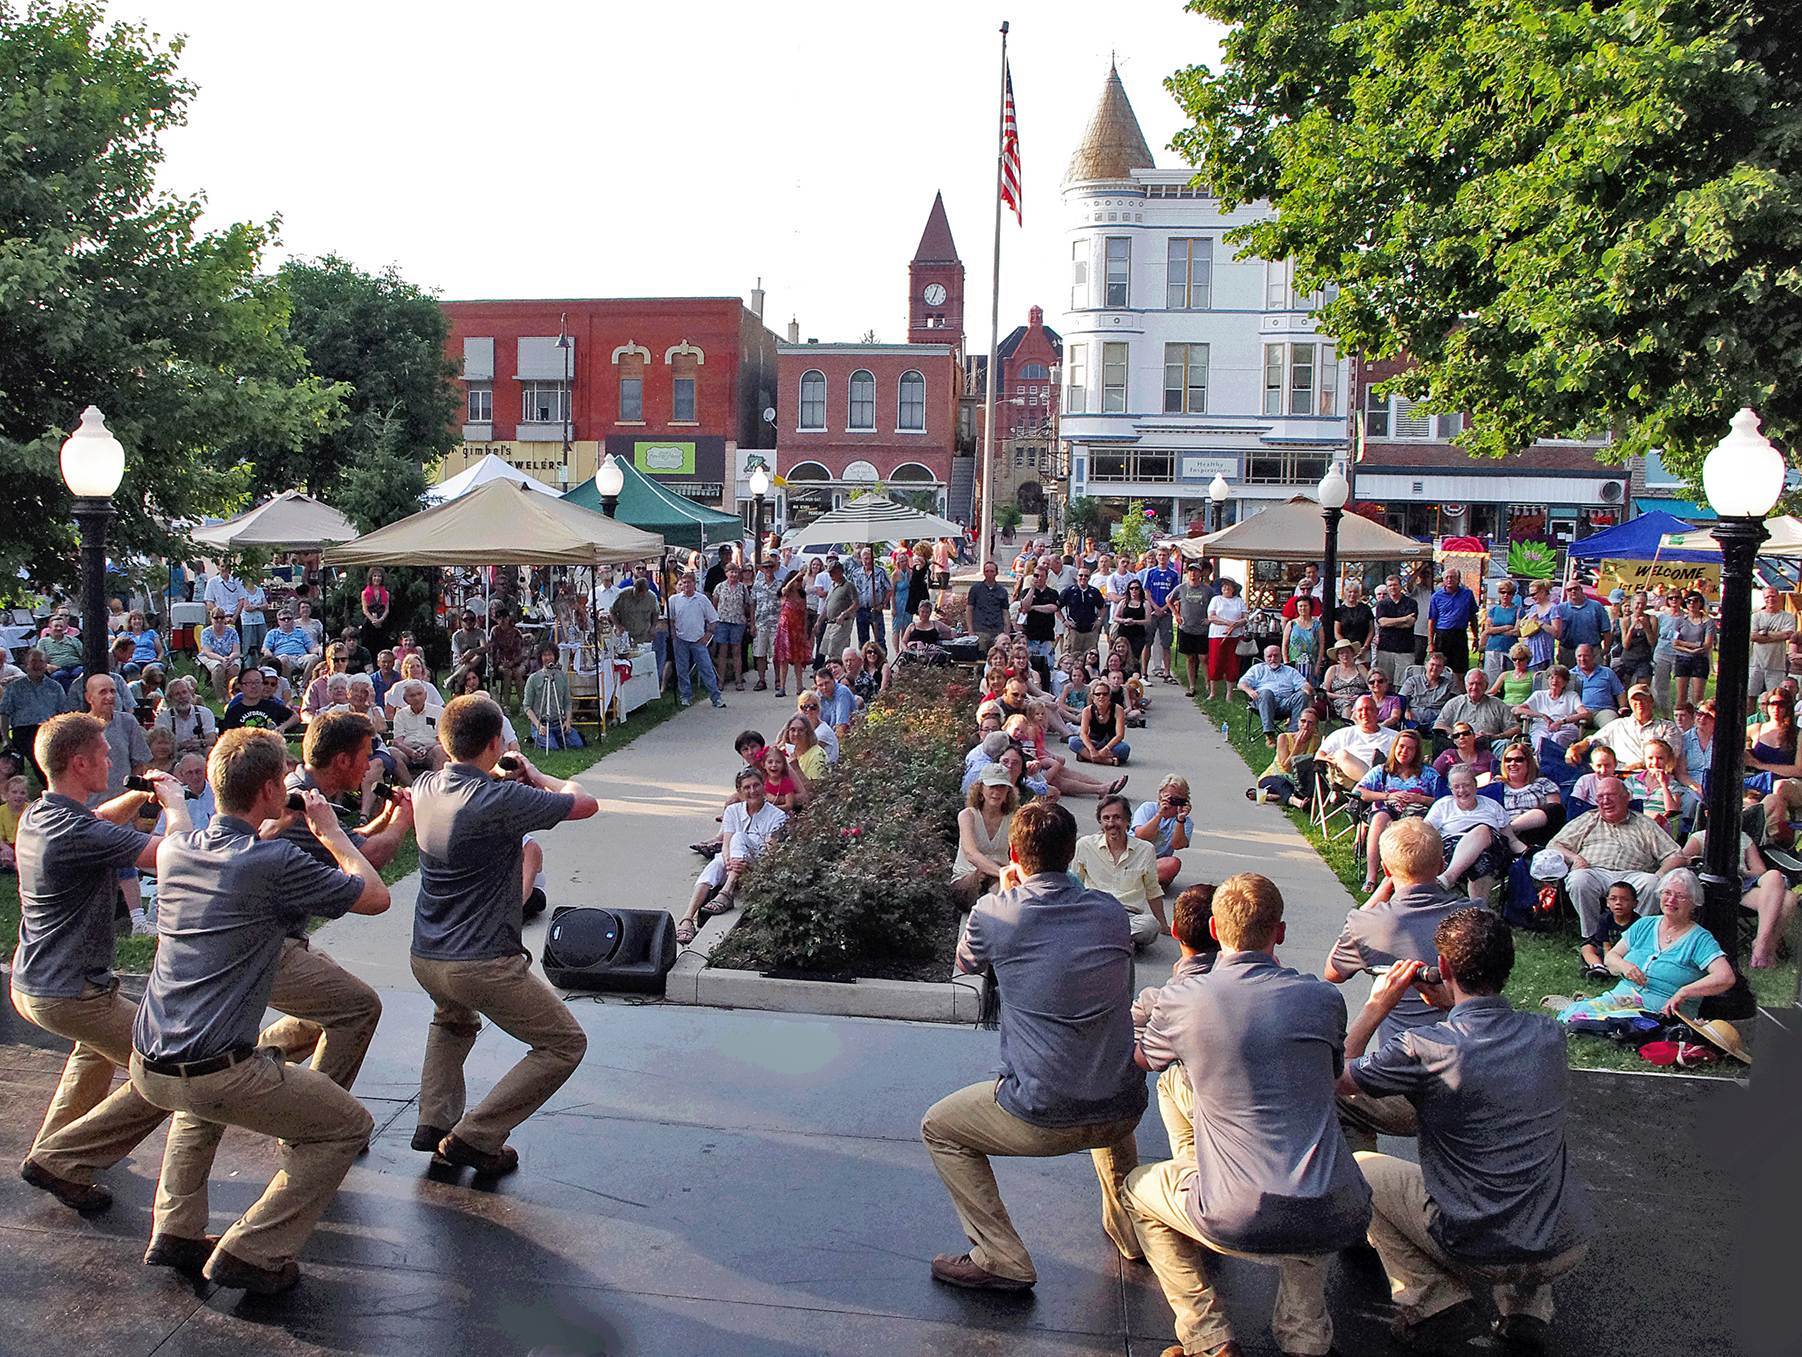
68	859
467	954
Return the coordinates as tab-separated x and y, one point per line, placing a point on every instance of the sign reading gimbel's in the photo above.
691	459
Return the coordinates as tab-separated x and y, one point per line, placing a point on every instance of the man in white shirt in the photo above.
746	830
192	724
692	619
414	738
227	594
1124	866
1772	628
1363	743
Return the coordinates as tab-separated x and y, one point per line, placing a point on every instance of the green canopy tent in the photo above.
645	504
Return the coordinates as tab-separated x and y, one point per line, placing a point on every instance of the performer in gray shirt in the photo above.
69	858
226	902
1399	929
1494	1200
467	953
1271	1179
1063	964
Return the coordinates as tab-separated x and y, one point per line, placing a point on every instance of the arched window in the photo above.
863	401
912	473
808	471
684	369
913	402
1035	372
813	400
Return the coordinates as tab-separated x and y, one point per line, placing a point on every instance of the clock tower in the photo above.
935	285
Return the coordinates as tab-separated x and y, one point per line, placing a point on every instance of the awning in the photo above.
490	468
1295	531
1677	508
289	522
871	518
643	503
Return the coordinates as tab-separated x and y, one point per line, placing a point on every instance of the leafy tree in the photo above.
384	339
1573	217
1083	516
110	294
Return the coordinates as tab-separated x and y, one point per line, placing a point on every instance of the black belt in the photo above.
193	1069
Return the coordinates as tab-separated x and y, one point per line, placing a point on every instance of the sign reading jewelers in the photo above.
702	458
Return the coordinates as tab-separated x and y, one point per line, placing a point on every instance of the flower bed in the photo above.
859	885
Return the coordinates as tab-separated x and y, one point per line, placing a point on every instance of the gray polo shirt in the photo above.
1263	1046
1492	1088
1399	929
471	829
68	862
225	901
1063	958
127	749
301	835
988	606
31	704
1199	964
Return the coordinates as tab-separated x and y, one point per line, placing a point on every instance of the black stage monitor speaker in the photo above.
609	949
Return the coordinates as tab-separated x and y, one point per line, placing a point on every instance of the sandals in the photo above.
685	932
1115	786
720	904
707	848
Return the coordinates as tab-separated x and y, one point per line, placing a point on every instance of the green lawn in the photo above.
1545	963
134	954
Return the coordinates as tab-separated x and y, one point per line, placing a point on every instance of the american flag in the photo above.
1010	150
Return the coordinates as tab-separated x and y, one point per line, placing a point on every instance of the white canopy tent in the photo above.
1785	539
289	522
490	468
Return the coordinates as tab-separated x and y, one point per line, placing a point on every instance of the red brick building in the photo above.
855	414
675	385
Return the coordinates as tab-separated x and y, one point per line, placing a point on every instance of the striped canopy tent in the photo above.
871	518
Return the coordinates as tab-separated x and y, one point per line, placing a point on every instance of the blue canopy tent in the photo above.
1637	540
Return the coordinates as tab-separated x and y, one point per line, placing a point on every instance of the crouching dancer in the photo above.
226	901
1494	1201
467	953
1063	962
1271	1178
68	860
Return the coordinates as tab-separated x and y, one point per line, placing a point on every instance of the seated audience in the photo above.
1356	748
1288	781
1667	962
1476	834
1469	750
747	828
1279	692
414	738
1612	843
982	829
1166	824
1401	787
251	708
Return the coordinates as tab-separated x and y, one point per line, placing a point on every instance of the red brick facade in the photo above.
823	433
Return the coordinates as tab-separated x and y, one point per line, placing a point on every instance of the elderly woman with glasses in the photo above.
1476	833
1667	962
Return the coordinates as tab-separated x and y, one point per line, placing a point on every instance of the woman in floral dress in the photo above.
793	645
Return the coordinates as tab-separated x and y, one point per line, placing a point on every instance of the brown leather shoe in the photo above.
86	1198
463	1155
187	1256
962	1270
426	1138
1443	1331
222	1269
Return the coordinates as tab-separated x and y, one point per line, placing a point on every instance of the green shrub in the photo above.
861	878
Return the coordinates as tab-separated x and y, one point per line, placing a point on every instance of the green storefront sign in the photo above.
663	457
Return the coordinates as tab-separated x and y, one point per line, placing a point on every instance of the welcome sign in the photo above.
1685	576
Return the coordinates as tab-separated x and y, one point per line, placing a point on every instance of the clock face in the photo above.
934	294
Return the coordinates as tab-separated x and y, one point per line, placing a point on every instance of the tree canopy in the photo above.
111	294
1573	217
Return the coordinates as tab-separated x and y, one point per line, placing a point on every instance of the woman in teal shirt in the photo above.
1667	961
1301	638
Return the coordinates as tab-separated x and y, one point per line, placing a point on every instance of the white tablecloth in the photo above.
633	693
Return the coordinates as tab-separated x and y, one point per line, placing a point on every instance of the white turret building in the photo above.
1182	362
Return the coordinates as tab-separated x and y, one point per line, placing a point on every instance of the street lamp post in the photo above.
1218	490
93	463
567	344
1333	492
760	486
1743	477
609	480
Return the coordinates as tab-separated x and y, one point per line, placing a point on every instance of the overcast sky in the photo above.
533	149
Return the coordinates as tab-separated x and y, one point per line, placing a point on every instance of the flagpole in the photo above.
987	525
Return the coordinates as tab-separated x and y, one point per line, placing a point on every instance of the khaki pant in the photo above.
1173	1246
504	990
963	1129
1082	642
331	1015
1176	1105
1364	1116
1395	663
1422	1279
319	1129
90	1125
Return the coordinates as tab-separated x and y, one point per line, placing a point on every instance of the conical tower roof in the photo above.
936	245
1113	146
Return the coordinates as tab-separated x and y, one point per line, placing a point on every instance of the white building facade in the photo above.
1182	362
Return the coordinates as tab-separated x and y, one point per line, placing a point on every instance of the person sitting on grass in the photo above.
1620	911
746	830
1166	825
10	811
1289	779
1197	951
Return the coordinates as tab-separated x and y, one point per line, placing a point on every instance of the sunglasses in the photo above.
1464	734
1514	759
